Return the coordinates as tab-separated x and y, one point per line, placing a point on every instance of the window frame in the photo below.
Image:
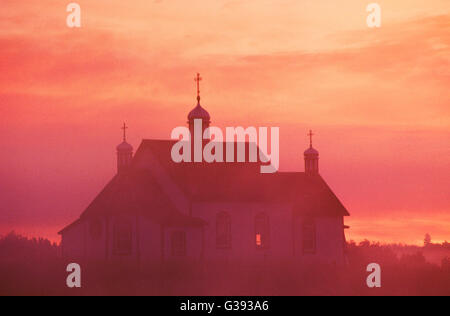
262	220
178	250
122	238
309	234
223	218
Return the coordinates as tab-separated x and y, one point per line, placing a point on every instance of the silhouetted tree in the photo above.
427	240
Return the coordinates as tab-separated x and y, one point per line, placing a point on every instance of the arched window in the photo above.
178	241
223	231
262	231
309	236
122	237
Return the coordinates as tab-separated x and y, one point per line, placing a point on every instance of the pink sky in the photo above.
378	99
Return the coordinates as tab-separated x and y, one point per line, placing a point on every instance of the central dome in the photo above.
311	151
124	147
199	113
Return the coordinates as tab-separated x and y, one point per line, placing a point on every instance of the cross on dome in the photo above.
310	134
124	128
198	79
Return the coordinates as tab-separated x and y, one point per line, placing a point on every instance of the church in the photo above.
155	211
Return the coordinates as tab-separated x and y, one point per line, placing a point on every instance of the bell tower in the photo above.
124	152
198	113
311	158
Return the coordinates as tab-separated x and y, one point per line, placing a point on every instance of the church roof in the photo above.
124	146
138	192
311	152
199	113
243	182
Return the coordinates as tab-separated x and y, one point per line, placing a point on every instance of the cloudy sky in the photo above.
377	99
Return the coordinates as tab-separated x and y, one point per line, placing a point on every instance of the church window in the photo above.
122	238
223	231
178	241
309	237
262	231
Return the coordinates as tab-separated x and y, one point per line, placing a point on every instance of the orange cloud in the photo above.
379	99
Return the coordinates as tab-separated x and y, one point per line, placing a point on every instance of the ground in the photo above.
32	267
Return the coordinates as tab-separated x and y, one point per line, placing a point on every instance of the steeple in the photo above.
310	138
124	128
124	152
311	158
198	113
198	79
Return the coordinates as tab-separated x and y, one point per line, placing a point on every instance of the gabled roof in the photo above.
138	192
243	182
69	226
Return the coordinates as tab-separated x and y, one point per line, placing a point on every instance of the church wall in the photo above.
73	242
285	238
80	244
96	241
243	245
128	259
194	245
329	241
150	242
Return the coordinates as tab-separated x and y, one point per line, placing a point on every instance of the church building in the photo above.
155	211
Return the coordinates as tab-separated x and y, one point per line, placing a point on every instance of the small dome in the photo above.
124	147
311	151
199	113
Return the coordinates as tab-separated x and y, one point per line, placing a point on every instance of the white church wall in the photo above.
113	256
150	242
194	242
285	235
329	241
243	245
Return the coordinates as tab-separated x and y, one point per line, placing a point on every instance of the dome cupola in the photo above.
124	152
311	158
199	113
124	146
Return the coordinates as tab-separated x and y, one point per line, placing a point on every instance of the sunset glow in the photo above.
377	99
